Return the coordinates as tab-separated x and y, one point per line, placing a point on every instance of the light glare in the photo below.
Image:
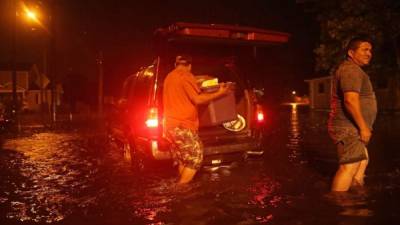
260	116
152	123
31	15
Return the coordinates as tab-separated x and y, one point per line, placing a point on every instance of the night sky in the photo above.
122	30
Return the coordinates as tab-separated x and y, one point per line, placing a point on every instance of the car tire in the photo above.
139	161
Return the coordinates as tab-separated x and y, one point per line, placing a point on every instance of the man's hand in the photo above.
352	104
203	98
225	88
365	135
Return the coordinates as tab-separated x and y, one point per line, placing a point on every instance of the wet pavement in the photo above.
71	176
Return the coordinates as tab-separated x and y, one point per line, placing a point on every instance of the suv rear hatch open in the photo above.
218	52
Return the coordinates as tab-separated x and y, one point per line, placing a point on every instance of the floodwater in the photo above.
71	176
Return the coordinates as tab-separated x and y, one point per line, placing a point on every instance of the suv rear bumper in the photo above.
160	150
247	147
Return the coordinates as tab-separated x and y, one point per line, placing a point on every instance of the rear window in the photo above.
141	88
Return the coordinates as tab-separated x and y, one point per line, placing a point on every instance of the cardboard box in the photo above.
218	111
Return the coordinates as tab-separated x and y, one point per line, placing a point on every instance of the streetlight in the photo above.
294	96
20	10
32	14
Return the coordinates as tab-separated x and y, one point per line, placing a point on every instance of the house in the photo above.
319	92
32	86
387	91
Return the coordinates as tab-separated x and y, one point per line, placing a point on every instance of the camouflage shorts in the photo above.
350	148
187	148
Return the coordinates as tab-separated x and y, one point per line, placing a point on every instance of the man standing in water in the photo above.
181	95
353	112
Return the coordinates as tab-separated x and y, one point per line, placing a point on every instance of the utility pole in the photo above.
44	108
100	88
53	64
14	64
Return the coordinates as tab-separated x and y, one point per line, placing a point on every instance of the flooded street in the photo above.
73	177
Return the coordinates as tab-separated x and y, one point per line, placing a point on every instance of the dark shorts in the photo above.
187	148
350	148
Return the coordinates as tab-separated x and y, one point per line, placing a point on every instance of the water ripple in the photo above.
51	171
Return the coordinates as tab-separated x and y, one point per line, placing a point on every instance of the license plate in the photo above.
216	161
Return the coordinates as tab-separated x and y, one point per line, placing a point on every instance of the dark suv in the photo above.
218	51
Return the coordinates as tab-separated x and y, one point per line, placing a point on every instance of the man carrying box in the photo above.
181	96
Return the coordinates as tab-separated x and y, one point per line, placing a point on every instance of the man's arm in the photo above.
352	104
204	98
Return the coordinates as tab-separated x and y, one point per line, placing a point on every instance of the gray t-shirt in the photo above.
350	77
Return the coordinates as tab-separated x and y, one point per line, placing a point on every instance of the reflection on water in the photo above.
264	193
294	130
149	204
232	200
295	138
50	171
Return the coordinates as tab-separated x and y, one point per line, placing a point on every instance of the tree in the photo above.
341	19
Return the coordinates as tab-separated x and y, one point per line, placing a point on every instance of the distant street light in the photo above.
293	97
31	15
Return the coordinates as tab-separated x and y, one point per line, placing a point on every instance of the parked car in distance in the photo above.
135	121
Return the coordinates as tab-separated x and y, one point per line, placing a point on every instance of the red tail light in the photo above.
260	116
152	118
